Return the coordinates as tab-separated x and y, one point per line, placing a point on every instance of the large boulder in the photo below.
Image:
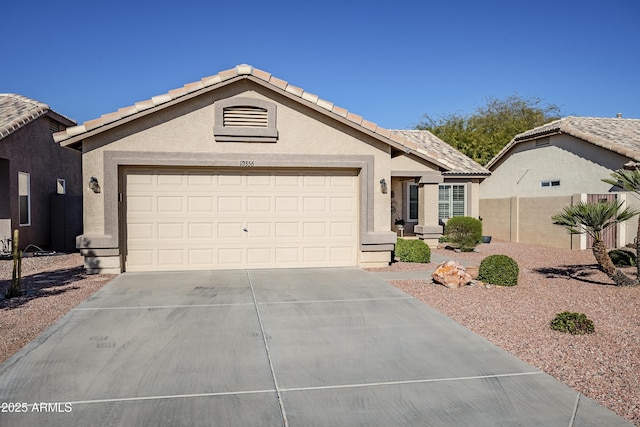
451	274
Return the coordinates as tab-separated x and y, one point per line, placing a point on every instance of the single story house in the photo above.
40	182
243	170
551	166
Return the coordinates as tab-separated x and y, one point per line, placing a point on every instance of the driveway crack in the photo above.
283	413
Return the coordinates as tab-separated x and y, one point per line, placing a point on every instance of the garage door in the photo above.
188	219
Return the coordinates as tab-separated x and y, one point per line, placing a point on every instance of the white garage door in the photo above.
187	219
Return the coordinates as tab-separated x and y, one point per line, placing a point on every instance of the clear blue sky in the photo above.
390	62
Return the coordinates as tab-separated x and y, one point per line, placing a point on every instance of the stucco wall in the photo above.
31	149
579	166
183	135
528	220
188	128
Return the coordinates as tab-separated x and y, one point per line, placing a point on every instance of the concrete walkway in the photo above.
308	347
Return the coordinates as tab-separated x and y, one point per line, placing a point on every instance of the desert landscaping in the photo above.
604	365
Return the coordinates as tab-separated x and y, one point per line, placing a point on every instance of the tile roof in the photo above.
16	111
433	147
619	135
423	145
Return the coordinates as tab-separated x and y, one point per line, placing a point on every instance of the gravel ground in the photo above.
53	286
604	366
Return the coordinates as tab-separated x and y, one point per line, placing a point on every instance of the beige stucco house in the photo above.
40	182
243	170
551	166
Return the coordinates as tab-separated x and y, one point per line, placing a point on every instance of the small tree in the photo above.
628	180
482	134
593	219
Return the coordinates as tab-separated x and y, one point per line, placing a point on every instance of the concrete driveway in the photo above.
308	347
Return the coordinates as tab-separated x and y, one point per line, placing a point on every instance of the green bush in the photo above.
499	270
465	231
414	250
623	258
573	323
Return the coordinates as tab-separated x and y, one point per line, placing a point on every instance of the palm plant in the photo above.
628	180
593	219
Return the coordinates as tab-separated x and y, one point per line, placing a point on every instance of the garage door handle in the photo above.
245	230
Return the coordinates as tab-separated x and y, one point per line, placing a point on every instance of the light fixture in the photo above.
383	186
93	184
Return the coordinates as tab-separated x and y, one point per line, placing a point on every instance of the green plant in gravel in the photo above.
413	250
622	258
465	231
573	323
499	270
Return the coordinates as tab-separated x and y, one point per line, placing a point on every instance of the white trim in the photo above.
24	187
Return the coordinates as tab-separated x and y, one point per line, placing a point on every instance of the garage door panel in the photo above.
287	229
230	230
259	256
230	256
201	204
228	204
342	230
198	230
314	254
206	219
171	230
201	257
259	204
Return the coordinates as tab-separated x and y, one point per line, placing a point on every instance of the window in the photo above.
24	198
553	183
451	201
61	186
412	202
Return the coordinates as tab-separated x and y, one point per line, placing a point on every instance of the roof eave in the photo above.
76	140
341	115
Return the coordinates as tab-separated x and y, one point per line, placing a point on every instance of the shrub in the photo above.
574	323
623	258
412	251
465	231
499	270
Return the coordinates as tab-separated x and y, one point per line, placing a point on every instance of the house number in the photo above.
247	163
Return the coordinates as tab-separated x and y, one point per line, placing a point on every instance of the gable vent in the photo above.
543	142
245	117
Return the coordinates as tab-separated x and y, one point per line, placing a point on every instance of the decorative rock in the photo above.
451	274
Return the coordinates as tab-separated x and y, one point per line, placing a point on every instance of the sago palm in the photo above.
628	180
593	219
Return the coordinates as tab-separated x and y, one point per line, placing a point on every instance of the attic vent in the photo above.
245	116
245	119
543	142
54	126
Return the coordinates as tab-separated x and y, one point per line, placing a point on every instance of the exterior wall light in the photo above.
93	184
383	186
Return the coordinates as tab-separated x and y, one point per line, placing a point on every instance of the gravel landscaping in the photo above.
604	366
53	286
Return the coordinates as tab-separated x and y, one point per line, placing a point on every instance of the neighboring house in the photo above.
40	181
551	166
243	170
